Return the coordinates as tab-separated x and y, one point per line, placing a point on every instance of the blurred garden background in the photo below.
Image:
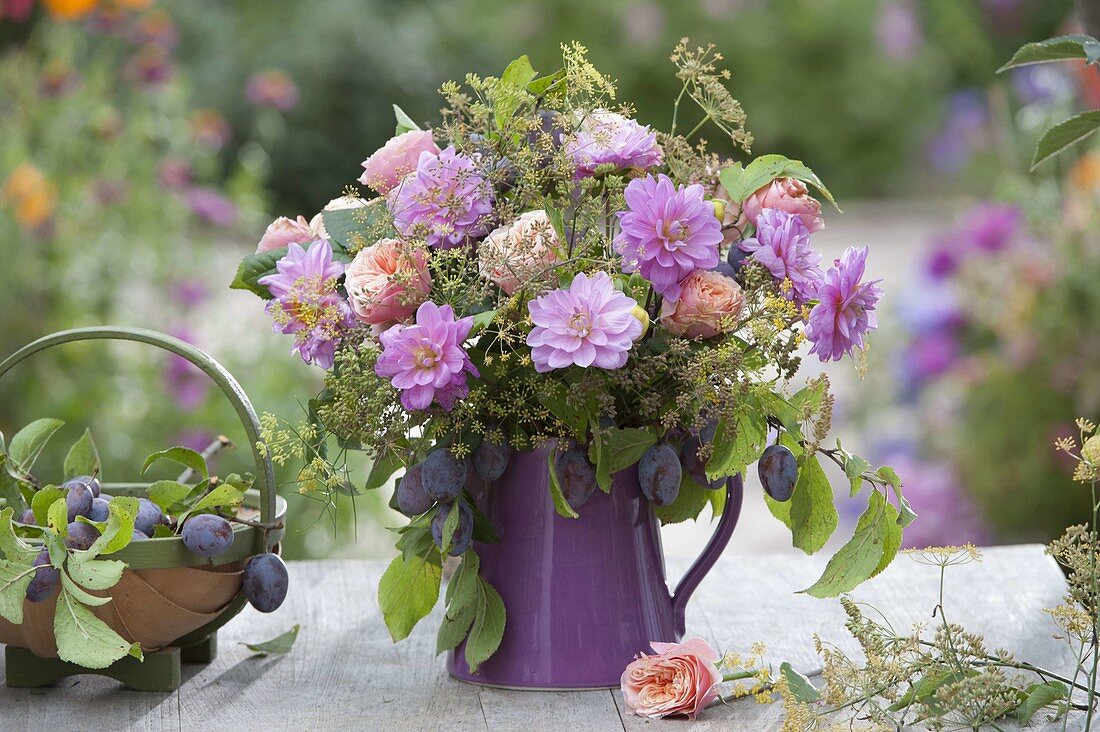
144	146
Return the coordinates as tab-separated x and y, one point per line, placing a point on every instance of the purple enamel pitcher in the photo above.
584	595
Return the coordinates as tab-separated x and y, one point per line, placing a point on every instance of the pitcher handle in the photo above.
735	494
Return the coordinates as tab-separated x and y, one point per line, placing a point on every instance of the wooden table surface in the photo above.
344	673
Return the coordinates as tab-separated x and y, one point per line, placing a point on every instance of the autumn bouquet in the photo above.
540	268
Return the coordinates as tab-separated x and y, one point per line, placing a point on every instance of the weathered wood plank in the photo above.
345	672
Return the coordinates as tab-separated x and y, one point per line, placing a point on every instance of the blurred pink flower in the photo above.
784	194
210	128
681	678
383	170
213	206
897	29
272	88
174	173
387	281
150	67
710	303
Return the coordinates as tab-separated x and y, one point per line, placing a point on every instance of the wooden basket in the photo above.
168	598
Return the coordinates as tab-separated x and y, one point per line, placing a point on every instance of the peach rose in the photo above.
383	170
786	194
519	252
709	303
681	679
282	232
387	281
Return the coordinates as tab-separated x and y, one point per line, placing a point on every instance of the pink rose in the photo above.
282	232
709	304
681	679
387	281
397	158
785	194
519	252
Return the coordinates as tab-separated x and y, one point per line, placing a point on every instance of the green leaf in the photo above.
118	533
512	89
57	517
461	598
1061	48
626	447
906	514
407	592
11	546
689	502
924	688
455	626
277	646
737	445
168	493
597	455
351	229
450	525
404	122
892	542
854	466
742	183
255	266
488	627
14	578
83	457
544	84
800	686
78	593
381	470
560	504
813	513
858	559
1039	696
43	499
185	456
482	321
84	639
1065	134
223	496
97	574
10	495
28	442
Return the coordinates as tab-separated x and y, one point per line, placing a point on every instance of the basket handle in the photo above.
265	473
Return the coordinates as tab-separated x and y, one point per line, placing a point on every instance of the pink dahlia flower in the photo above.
387	281
445	201
782	244
306	303
590	323
667	232
681	678
845	308
383	170
608	138
426	361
